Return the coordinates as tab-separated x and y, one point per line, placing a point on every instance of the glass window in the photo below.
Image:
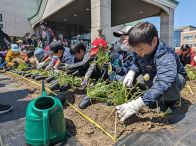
1	18
190	38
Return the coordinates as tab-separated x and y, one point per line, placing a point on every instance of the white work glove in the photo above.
40	65
195	58
126	110
128	80
57	71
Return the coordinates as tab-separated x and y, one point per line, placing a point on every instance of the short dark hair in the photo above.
77	47
55	46
143	32
185	47
43	22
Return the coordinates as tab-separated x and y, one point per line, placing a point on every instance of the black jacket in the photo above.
3	36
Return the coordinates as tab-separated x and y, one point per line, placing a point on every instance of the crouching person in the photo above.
167	74
12	55
57	50
86	61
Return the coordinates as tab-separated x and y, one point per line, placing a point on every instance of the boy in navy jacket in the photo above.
159	61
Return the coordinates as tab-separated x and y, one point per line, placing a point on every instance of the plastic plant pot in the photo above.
34	75
61	97
54	85
76	73
27	75
85	102
24	73
65	87
21	72
14	71
49	79
37	78
8	69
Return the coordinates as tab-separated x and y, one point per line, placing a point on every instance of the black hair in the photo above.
27	34
185	47
143	32
55	46
43	22
77	47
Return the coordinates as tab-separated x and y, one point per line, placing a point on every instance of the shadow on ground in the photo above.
17	99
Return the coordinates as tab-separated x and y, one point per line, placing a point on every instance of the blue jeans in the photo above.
173	93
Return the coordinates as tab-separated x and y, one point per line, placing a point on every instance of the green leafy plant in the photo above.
191	72
68	79
103	57
113	92
22	67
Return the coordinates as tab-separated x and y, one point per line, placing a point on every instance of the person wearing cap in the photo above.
100	33
12	54
47	34
20	44
122	55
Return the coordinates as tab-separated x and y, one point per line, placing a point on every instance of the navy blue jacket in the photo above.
162	63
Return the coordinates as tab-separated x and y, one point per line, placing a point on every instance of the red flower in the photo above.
97	44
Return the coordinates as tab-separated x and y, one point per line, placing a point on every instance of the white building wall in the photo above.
15	15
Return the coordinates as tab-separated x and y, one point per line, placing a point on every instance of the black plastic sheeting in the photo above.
12	134
12	123
184	136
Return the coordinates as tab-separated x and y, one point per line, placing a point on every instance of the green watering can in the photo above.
44	121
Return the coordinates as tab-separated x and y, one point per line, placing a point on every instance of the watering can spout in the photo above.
43	89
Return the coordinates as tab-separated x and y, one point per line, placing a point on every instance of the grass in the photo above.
191	72
113	92
68	79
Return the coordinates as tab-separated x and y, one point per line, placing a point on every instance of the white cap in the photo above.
15	48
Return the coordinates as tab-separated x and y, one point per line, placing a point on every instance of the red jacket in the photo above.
191	54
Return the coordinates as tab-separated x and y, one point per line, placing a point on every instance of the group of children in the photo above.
137	53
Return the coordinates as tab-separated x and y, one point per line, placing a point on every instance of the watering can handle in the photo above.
43	89
46	127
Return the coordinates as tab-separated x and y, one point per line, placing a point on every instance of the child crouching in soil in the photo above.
159	61
12	55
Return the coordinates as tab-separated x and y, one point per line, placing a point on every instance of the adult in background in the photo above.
47	35
100	34
4	38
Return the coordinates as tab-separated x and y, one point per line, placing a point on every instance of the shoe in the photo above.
49	79
170	107
85	102
5	108
167	107
65	87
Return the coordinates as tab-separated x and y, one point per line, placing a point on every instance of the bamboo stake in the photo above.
190	89
115	128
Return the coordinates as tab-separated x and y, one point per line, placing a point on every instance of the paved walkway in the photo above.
12	124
